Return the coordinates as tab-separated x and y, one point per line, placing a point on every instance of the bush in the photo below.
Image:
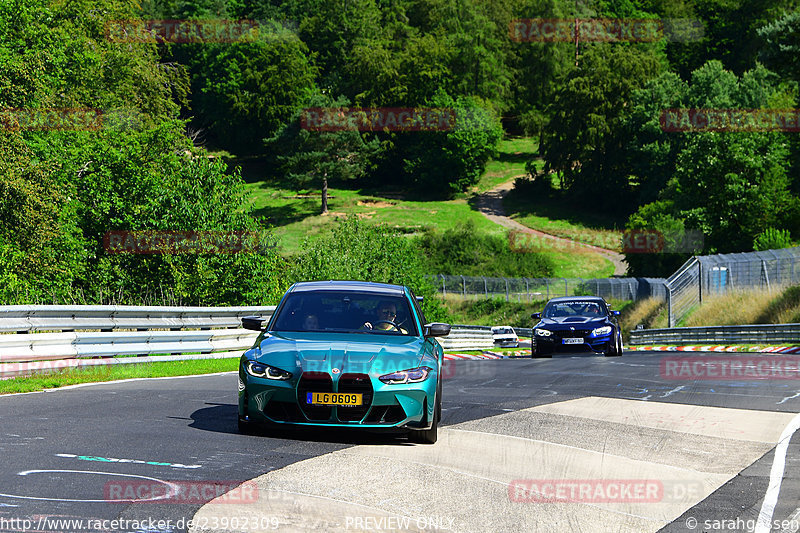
772	239
463	250
443	163
358	251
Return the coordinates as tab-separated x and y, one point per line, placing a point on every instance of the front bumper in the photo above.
555	343
385	406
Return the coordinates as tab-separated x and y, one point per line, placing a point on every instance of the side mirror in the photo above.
615	313
536	315
255	323
436	329
420	299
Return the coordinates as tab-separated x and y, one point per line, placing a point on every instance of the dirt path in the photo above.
490	204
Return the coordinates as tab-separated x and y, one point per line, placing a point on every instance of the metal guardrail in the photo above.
523	332
45	337
42	337
464	337
748	334
30	318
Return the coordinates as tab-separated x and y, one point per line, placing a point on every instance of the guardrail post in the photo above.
700	281
670	323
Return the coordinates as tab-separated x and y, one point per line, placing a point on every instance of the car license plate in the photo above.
334	398
571	340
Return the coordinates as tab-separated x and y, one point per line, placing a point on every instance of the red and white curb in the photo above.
717	348
464	356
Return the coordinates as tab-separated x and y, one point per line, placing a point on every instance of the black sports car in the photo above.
576	324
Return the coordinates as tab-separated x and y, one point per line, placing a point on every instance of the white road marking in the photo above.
726	423
173	488
673	391
789	398
467	475
776	477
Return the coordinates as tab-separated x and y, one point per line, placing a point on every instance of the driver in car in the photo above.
593	309
385	321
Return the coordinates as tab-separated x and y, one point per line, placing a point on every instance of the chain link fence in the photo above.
537	289
715	274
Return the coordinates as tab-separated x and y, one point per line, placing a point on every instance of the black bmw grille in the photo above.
569	333
355	383
314	382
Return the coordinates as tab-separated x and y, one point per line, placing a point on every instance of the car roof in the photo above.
356	286
563	299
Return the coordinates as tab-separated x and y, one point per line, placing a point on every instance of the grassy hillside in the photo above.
753	306
295	214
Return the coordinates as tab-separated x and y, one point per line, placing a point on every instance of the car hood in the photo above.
372	354
566	322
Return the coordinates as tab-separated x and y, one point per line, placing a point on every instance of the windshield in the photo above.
345	312
577	308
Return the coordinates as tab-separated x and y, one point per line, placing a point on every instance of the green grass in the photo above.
295	214
296	218
498	312
512	155
74	376
559	216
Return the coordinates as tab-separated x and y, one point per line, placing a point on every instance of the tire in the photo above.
245	427
538	354
429	436
616	349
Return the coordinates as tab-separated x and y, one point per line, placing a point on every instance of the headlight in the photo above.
605	330
543	332
261	370
414	375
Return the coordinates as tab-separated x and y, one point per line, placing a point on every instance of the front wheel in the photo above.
537	353
615	349
429	436
245	427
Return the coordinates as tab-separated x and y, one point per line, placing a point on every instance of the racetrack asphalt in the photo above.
709	445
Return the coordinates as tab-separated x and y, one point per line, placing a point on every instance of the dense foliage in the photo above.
359	251
463	250
596	106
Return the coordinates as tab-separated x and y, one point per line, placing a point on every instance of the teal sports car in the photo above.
344	354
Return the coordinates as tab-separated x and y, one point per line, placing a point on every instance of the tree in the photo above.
586	133
245	91
356	250
729	185
443	162
306	156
